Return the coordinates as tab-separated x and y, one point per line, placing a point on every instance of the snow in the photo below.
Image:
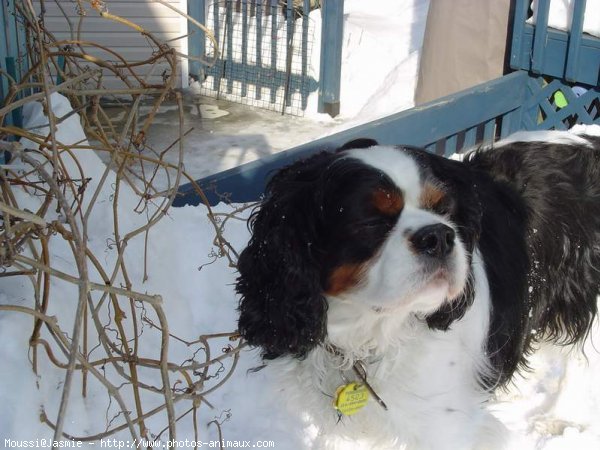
555	406
560	15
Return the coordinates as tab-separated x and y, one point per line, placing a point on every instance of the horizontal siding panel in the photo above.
124	9
129	39
111	82
163	23
102	25
131	54
159	68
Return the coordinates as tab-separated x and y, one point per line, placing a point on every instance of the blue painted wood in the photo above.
11	68
450	146
12	58
470	138
290	24
556	49
507	125
420	126
259	35
217	36
229	36
575	41
541	32
520	16
244	46
196	37
540	112
489	131
332	34
60	61
304	64
273	6
3	53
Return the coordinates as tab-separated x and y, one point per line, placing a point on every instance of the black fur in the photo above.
544	248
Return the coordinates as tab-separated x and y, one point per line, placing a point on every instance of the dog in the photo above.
394	290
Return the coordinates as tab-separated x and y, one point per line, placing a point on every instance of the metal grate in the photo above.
265	53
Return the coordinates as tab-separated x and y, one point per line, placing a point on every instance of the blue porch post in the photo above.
332	33
196	37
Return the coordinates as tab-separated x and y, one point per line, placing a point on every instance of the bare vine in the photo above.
111	318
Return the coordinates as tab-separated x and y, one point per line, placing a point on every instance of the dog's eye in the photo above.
443	207
375	225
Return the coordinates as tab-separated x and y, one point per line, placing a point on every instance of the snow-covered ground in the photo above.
555	406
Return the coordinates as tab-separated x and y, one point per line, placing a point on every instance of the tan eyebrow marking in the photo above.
344	277
388	202
431	195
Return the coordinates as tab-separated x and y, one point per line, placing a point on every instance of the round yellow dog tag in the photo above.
351	398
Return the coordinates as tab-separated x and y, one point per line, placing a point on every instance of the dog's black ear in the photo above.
358	143
282	309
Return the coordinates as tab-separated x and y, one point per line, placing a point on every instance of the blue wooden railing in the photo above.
572	56
12	55
13	63
444	126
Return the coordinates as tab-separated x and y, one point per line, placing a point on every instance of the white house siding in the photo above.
154	17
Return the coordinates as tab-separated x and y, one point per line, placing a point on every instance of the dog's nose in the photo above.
434	240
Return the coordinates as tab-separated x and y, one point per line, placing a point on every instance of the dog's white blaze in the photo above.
399	166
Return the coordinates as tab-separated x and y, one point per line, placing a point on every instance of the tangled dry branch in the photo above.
103	341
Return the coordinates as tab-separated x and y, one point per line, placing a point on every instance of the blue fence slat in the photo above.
290	24
229	36
470	138
450	146
507	125
217	35
244	46
273	6
489	130
332	34
554	63
304	65
3	54
418	126
575	41
11	68
541	32
259	39
519	18
196	37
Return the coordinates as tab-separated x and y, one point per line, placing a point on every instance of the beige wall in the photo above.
464	45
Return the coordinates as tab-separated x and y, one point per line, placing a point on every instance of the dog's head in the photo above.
388	229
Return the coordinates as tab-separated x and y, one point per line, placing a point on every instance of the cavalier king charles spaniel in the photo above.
395	290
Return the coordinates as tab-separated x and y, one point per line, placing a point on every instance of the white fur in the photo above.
548	136
427	378
400	167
